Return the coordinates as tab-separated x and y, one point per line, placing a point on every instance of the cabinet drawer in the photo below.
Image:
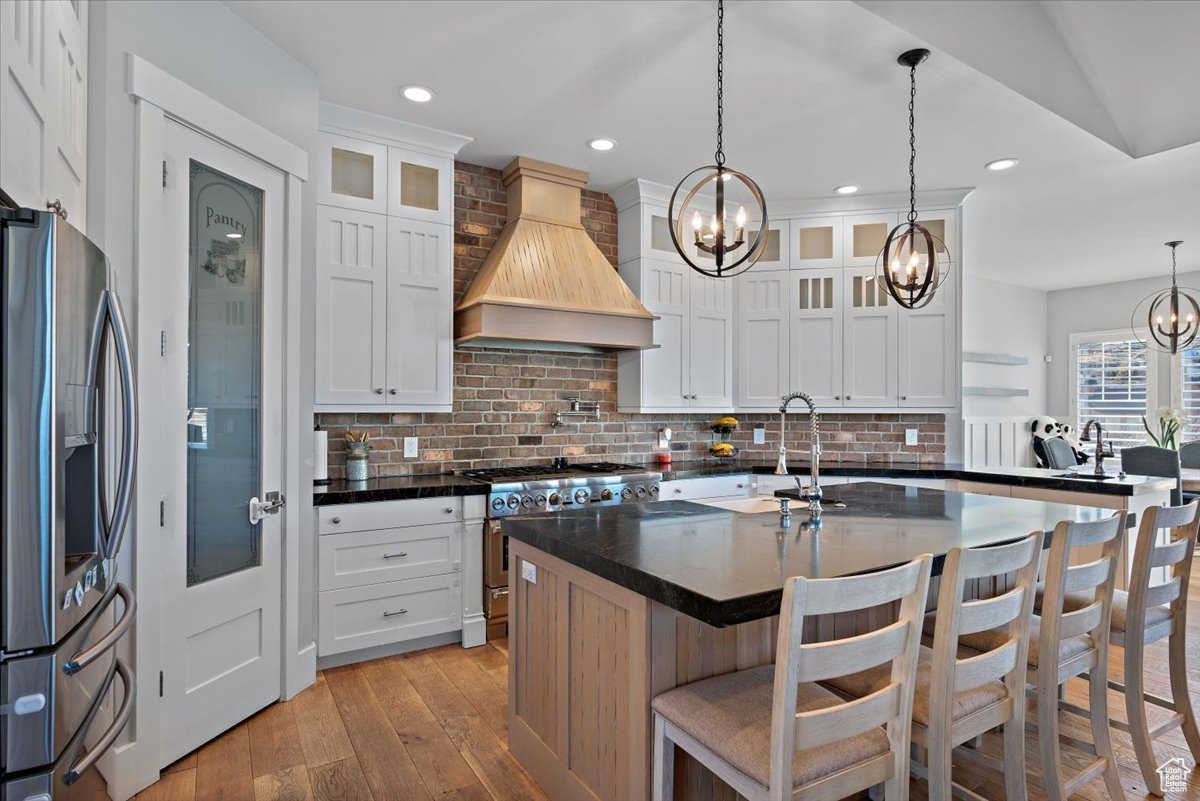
381	614
358	558
715	487
387	514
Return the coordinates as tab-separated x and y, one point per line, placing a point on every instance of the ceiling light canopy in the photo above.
1002	164
417	93
602	144
847	189
910	263
713	249
1172	315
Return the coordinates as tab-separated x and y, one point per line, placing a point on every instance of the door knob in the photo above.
270	505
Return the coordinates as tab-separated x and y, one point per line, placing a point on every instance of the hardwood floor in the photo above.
433	725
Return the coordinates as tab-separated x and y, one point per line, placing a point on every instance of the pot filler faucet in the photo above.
812	493
1099	443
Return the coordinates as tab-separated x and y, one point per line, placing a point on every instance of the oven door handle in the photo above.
89	759
89	655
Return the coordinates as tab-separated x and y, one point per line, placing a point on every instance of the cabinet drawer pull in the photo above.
393	614
336	520
399	555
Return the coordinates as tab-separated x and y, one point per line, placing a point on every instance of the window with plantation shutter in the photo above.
1114	384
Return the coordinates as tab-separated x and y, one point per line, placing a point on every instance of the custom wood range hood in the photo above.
546	285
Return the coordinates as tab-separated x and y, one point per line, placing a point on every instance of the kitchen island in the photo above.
612	606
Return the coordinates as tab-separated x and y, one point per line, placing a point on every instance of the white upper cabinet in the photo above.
763	372
816	334
352	174
941	223
420	186
658	378
926	351
351	306
816	243
775	254
644	232
43	104
385	264
863	236
870	373
420	283
710	343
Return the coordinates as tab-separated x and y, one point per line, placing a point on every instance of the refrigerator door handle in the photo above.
89	759
89	655
120	512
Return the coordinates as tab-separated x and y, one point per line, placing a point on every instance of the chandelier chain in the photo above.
912	144
1173	265
720	155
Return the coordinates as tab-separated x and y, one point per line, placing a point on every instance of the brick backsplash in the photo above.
505	400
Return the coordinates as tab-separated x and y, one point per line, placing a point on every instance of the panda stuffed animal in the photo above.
1044	428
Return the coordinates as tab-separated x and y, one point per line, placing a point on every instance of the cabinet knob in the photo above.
57	207
847	397
837	397
903	397
741	486
391	391
378	390
678	490
448	510
336	520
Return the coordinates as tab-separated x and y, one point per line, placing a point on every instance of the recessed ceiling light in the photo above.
602	144
848	189
417	94
1002	164
233	235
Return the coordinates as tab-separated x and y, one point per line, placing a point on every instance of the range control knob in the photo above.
626	492
527	501
641	492
606	495
582	496
513	501
540	500
497	503
653	490
555	499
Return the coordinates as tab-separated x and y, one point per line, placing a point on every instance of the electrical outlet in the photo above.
760	436
910	436
410	447
529	572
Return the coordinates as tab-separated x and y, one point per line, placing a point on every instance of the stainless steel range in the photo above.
546	489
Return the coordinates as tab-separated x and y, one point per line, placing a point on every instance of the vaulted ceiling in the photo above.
1099	100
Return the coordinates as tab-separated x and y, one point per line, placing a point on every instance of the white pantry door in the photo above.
223	262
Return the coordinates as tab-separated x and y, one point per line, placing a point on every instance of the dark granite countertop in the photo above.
724	567
396	488
1011	476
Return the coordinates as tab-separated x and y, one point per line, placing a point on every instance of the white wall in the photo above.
1009	320
1095	308
204	44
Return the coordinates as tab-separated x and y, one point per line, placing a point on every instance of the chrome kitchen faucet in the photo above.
812	493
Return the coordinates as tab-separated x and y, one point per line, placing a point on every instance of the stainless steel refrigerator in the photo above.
69	440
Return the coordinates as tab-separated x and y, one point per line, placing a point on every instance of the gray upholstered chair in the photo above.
1189	455
1059	454
1148	460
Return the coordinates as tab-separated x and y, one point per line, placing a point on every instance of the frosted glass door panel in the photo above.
224	372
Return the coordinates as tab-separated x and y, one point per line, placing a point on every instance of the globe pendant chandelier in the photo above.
1172	316
911	264
726	252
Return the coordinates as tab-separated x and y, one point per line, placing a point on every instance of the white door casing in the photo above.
220	642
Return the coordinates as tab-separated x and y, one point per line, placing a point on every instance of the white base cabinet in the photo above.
395	571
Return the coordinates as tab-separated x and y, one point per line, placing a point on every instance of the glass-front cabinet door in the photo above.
420	187
352	174
816	243
863	236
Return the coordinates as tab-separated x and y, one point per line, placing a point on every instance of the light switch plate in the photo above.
760	436
410	447
910	436
529	572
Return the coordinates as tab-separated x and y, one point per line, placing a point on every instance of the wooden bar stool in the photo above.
772	732
957	700
1151	611
1064	644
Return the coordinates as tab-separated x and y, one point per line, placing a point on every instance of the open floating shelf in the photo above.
996	392
994	358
